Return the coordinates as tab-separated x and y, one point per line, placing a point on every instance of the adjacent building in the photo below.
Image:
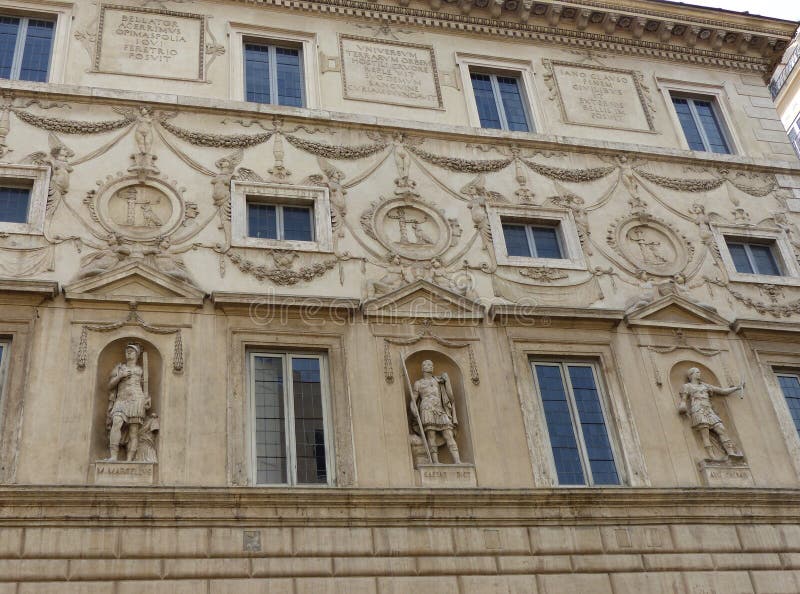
477	296
786	92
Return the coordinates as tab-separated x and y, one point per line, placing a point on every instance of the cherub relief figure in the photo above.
221	183
433	407
696	403
128	403
60	169
396	276
158	257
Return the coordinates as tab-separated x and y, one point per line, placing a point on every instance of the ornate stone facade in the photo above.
343	369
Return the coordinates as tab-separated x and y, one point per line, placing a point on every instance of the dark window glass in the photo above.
14	205
485	101
559	425
764	260
256	62
709	122
700	124
593	426
512	103
290	78
297	223
790	385
754	258
262	221
308	422
516	240
740	260
9	28
36	55
271	463
546	241
690	129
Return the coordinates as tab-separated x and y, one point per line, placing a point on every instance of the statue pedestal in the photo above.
446	475
725	474
124	473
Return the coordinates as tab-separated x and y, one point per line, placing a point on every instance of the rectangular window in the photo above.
25	48
279	221
532	240
794	135
500	101
573	412
273	74
289	409
702	124
790	386
754	257
14	204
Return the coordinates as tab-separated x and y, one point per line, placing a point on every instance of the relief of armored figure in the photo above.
696	403
433	408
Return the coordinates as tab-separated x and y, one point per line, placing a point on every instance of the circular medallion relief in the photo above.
653	247
139	211
413	230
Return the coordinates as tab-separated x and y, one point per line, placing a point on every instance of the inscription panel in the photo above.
446	475
396	73
721	474
599	96
143	42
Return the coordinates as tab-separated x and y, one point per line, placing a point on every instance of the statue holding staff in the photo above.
433	405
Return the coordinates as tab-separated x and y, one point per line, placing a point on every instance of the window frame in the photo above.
273	68
690	101
5	348
280	229
37	179
284	195
794	127
498	99
60	13
563	363
291	458
717	95
521	69
529	226
242	33
566	230
781	249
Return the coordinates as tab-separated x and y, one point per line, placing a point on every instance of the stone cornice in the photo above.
98	506
639	28
462	134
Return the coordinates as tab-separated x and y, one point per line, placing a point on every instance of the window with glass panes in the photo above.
575	419
701	123
280	221
500	101
289	413
26	46
754	257
790	386
273	74
532	240
794	135
14	204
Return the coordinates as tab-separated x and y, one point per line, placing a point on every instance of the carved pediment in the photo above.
135	281
674	311
423	299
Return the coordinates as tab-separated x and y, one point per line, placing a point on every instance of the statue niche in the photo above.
438	420
126	421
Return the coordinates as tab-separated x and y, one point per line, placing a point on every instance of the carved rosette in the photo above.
650	244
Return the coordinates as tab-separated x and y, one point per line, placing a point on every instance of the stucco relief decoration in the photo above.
650	244
413	229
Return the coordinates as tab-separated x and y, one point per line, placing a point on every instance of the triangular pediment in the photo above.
422	299
675	311
135	281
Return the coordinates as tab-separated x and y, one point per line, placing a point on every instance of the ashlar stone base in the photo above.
725	474
124	473
446	475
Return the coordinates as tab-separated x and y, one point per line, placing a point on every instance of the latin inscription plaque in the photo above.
123	473
389	72
446	475
599	96
148	42
723	474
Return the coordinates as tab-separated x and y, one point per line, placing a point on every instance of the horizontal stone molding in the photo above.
286	507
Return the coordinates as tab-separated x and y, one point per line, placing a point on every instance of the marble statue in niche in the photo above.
434	412
127	419
696	402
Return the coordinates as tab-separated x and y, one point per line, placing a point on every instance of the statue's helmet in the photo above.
136	347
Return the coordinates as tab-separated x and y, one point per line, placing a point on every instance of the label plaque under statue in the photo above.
434	423
132	429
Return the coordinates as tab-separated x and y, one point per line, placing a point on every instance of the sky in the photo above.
782	9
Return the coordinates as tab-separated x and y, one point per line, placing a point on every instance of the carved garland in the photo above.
70	126
281	275
461	165
331	151
570	175
216	140
776	310
426	332
135	319
681	184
